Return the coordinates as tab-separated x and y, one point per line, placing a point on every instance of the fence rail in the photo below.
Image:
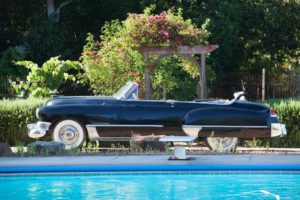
4	86
284	86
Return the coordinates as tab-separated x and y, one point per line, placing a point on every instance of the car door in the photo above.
151	117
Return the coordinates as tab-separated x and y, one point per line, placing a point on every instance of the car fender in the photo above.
222	118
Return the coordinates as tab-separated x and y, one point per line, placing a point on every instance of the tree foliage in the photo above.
116	57
8	59
43	81
251	34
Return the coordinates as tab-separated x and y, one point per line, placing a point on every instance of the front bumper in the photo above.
278	130
39	129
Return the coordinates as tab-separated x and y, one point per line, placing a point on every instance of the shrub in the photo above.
46	80
115	59
289	114
14	116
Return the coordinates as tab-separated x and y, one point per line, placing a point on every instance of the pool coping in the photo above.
143	163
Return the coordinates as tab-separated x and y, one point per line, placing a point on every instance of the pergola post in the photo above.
147	79
203	77
147	82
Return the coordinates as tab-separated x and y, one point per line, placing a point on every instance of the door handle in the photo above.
171	102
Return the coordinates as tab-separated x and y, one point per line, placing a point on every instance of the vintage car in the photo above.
72	120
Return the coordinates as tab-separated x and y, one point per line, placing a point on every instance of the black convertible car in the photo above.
72	120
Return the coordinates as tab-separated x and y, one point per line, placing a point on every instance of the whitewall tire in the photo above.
69	132
222	144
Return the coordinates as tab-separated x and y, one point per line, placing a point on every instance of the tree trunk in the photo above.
53	14
50	8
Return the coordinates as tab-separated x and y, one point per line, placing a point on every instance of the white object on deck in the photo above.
179	150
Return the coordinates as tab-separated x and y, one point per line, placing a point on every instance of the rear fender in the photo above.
224	119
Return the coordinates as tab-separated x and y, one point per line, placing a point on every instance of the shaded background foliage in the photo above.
251	33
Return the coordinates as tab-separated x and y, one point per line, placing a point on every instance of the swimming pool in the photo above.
153	185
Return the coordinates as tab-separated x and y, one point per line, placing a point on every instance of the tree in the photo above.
251	34
115	59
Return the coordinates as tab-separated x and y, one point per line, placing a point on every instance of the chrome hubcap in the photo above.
222	143
68	134
226	141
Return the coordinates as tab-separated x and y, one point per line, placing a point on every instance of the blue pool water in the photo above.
185	185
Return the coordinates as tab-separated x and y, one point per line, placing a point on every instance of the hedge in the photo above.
288	111
14	116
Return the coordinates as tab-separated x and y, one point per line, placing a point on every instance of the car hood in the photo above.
63	100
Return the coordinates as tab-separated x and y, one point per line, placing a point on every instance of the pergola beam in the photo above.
178	50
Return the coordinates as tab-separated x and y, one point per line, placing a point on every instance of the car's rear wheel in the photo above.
69	132
222	144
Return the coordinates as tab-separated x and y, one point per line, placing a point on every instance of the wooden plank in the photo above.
199	49
147	79
263	84
203	77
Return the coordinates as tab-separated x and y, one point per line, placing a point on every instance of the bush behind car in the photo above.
288	111
16	114
14	117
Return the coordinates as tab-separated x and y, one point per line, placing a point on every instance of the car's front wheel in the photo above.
69	132
222	144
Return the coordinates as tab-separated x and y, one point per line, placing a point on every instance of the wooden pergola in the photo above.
183	51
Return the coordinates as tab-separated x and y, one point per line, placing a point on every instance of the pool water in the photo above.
160	186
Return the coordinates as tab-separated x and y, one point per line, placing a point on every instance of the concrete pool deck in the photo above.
149	163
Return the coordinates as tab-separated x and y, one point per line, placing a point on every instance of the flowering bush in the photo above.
165	29
116	58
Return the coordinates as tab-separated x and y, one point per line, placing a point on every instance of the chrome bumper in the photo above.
38	129
278	130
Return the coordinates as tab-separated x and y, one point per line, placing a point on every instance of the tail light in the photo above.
273	113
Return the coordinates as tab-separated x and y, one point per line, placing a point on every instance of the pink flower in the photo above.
167	35
163	14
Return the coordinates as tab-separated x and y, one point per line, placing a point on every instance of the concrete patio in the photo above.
148	162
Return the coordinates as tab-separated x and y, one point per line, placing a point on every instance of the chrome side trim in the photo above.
92	133
193	130
221	126
125	125
115	139
93	136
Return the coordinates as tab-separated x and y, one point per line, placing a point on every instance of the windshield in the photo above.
128	91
